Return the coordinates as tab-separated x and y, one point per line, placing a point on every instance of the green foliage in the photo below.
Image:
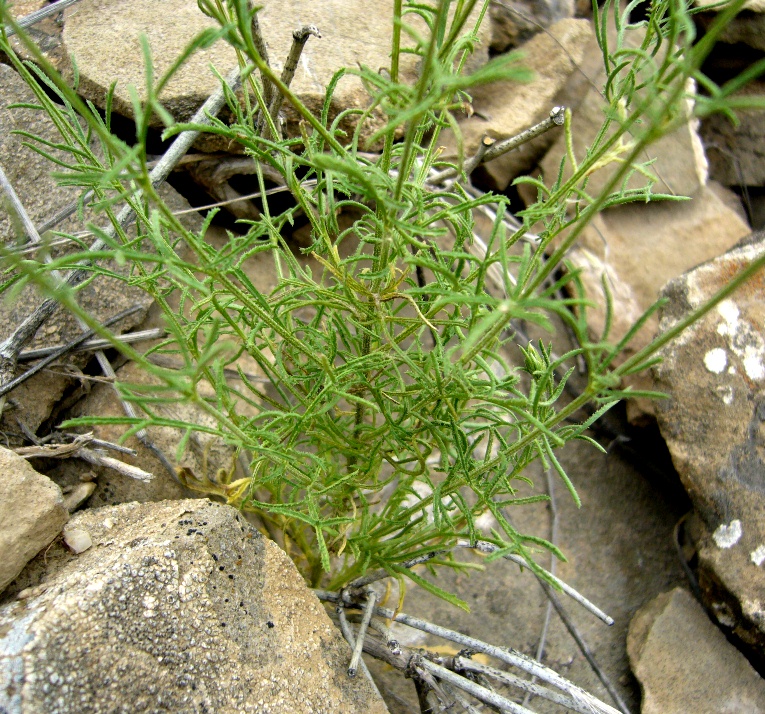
394	416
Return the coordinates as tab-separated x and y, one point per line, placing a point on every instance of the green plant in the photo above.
397	415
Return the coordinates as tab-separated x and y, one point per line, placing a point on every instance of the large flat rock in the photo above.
678	158
103	38
177	606
713	421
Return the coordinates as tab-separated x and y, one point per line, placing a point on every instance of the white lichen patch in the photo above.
728	536
730	313
753	364
743	340
726	393
716	360
757	556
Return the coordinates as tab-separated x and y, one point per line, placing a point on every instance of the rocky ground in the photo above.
670	539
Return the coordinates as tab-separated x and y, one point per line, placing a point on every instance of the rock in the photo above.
713	421
640	247
176	607
679	165
504	109
32	514
516	21
748	28
685	664
737	153
103	38
753	5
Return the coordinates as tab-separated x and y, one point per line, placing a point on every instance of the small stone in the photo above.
758	556
77	539
78	495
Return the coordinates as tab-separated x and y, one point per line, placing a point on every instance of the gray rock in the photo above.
504	109
737	153
685	664
516	21
641	247
32	514
713	420
679	165
103	38
176	607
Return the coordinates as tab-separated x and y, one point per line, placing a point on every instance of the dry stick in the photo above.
260	46
479	692
34	17
63	350
299	38
157	176
464	664
486	547
502	147
378	624
362	633
483	547
507	655
78	449
345	628
98	344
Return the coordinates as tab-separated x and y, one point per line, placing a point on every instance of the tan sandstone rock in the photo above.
177	606
714	375
103	37
678	158
639	248
32	514
685	664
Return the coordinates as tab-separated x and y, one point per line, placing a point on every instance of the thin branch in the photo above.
464	664
507	655
553	506
10	347
479	692
299	39
63	350
78	448
345	628
97	344
574	632
362	633
34	17
260	46
485	547
502	147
